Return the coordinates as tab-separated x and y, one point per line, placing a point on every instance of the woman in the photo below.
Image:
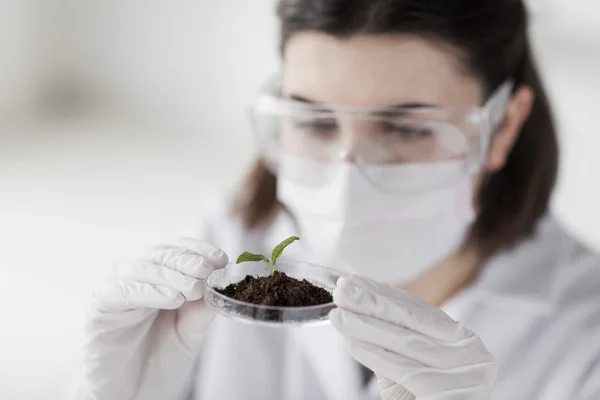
409	143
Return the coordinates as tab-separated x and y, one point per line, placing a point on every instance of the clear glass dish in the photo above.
271	315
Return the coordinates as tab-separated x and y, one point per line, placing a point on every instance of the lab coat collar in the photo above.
522	278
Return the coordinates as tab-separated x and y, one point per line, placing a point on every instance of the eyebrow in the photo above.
411	105
301	99
382	111
404	108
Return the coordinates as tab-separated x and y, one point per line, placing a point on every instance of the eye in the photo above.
319	126
407	131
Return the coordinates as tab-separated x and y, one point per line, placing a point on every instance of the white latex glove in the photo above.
145	328
416	350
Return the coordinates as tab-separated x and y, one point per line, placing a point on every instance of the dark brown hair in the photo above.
492	37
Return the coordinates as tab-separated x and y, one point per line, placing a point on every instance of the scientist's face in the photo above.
387	71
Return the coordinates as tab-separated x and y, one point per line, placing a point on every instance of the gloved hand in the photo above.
414	348
145	328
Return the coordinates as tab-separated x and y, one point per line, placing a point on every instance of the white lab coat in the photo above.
536	307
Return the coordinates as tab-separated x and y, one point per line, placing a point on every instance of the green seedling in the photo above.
277	251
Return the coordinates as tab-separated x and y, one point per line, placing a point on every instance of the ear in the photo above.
518	110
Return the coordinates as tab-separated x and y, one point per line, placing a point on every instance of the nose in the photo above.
353	139
347	156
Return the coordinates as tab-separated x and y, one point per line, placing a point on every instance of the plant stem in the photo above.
271	268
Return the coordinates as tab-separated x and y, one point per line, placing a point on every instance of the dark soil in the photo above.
277	290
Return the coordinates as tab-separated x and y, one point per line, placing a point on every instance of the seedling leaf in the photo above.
278	250
247	256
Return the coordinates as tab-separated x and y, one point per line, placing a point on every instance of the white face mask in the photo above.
389	237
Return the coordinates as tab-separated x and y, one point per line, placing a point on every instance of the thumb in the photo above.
194	318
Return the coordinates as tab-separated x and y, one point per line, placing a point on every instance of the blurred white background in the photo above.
117	116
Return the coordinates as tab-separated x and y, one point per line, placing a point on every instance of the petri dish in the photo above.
273	316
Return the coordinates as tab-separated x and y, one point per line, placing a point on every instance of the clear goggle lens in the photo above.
385	145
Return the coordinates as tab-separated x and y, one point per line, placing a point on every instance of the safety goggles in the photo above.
384	144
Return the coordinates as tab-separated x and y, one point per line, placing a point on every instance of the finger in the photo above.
146	272
205	249
121	296
420	380
365	296
405	342
185	260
